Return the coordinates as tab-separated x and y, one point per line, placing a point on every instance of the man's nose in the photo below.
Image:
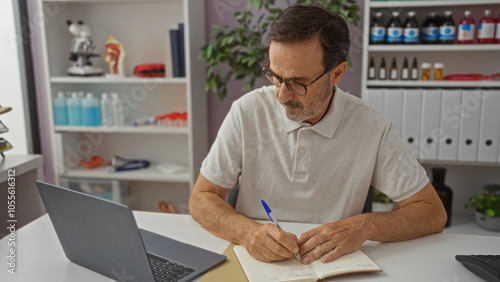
284	94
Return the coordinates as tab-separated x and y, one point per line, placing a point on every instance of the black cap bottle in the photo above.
411	30
377	29
395	29
430	29
447	29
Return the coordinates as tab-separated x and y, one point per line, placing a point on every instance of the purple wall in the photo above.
220	12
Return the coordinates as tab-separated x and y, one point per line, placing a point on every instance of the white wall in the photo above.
11	81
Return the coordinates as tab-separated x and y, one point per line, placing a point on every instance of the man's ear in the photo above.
338	72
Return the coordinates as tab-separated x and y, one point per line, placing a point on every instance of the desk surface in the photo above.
39	256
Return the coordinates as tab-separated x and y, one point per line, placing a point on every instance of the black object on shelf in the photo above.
444	192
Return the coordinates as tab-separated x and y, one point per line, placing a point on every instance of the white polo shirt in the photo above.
314	174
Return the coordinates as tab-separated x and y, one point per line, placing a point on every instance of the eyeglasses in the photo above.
298	88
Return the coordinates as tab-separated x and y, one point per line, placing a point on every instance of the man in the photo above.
311	152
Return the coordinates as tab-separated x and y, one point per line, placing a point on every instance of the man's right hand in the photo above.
268	243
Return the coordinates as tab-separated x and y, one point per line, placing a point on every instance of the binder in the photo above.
175	51
429	129
449	125
376	99
412	115
489	128
469	125
394	107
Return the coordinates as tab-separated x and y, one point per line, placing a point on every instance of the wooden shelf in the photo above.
151	173
433	47
124	129
124	80
428	3
441	84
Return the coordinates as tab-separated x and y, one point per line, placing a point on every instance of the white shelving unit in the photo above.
142	26
465	177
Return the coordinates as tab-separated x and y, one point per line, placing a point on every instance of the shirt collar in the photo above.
327	125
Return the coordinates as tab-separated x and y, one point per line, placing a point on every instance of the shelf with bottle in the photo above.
433	84
118	80
429	3
434	48
151	129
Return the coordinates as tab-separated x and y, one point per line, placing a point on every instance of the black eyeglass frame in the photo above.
267	71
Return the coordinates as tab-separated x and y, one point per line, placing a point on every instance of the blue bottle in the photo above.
74	110
91	112
60	110
395	29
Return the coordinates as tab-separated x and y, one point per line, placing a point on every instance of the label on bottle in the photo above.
446	32
497	35
486	30
371	73
381	74
377	34
411	35
430	33
414	73
466	32
394	34
404	74
394	74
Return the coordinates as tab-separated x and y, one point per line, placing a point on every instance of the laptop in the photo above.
103	236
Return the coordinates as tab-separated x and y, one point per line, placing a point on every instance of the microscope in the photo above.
82	49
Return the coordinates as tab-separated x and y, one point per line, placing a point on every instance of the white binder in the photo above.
429	129
394	107
489	129
376	99
412	115
450	125
469	125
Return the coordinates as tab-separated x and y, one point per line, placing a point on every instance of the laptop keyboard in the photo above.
165	270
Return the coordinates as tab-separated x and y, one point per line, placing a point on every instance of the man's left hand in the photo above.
332	240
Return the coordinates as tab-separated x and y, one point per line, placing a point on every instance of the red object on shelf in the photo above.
472	77
150	70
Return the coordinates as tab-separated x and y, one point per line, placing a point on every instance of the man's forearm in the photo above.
217	216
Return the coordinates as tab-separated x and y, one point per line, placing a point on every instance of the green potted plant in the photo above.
381	203
487	207
243	47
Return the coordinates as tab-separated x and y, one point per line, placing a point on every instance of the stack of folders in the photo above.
4	144
444	124
175	52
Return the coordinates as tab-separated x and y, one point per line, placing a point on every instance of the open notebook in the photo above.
293	270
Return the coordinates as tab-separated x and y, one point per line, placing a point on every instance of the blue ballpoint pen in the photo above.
275	221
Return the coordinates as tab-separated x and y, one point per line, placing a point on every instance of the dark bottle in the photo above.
371	69
414	69
382	71
411	30
377	30
444	192
395	29
405	71
393	75
447	29
430	30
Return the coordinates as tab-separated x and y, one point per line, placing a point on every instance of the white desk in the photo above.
39	256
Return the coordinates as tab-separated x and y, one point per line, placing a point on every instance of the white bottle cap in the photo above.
438	65
426	65
467	14
447	13
487	13
411	13
395	14
105	96
90	94
60	94
378	14
74	95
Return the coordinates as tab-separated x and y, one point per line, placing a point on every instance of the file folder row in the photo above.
444	124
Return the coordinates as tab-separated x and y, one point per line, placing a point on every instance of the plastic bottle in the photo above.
486	29
497	29
377	30
426	71
438	71
118	110
430	29
74	110
382	71
371	69
395	29
91	115
447	29
405	71
106	110
414	69
466	29
394	70
60	110
411	30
